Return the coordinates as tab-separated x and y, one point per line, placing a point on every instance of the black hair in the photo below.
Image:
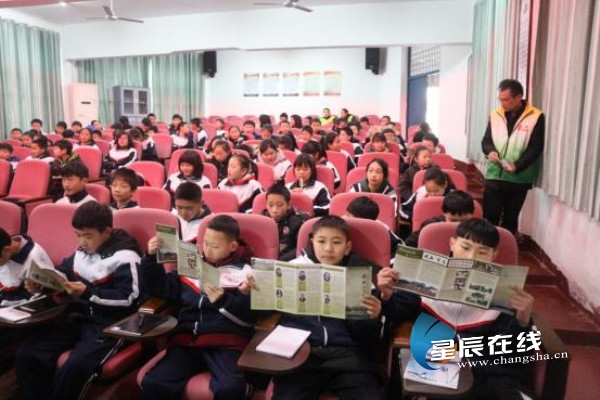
196	121
246	163
41	141
62	124
363	207
266	145
267	127
317	120
386	130
311	147
16	129
479	231
93	215
280	190
189	191
151	115
192	158
36	120
365	119
297	120
384	167
329	139
69	134
345	110
264	119
309	118
182	123
308	129
431	137
332	222
64	144
146	122
513	85
283	114
348	131
249	122
76	123
75	169
418	151
6	146
222	143
388	117
436	175
124	120
96	132
378	137
339	120
127	175
32	133
305	160
118	134
227	225
285	122
176	116
5	239
289	141
221	120
458	202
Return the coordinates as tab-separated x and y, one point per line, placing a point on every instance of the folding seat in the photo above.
220	201
360	173
349	148
5	175
393	160
13	143
92	158
30	185
21	152
53	137
99	191
50	226
252	142
104	147
266	176
458	179
300	202
174	161
137	145
373	119
387	206
164	145
412	130
324	175
340	162
430	207
153	172
12	216
442	160
108	136
240	151
290	155
140	223
152	197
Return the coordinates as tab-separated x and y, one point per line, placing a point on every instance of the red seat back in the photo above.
290	155
340	162
140	223
152	197
104	147
220	201
458	179
13	143
393	160
164	145
394	148
92	158
5	172
259	232
387	206
360	173
45	221
12	215
324	175
152	171
54	137
430	207
266	176
370	239
349	148
99	192
21	152
300	202
31	179
442	160
176	155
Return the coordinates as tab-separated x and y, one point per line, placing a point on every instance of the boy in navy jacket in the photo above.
102	288
215	324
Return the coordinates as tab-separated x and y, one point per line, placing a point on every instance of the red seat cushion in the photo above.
116	365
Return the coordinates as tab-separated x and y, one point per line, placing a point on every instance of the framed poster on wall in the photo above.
311	83
332	83
270	84
291	84
251	82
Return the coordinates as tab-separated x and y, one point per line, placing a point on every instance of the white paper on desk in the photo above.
13	315
283	341
446	376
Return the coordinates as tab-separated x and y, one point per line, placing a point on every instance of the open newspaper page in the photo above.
334	291
188	260
46	276
209	274
309	289
481	284
286	288
170	239
421	272
264	276
511	275
358	284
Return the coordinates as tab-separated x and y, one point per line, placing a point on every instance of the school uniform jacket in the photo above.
77	198
44	157
58	164
91	143
280	167
319	194
12	274
288	227
406	182
189	229
385	188
122	157
202	138
177	179
149	150
183	142
336	175
221	167
245	190
198	316
110	276
130	204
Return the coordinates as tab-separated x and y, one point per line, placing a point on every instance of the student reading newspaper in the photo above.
340	359
477	238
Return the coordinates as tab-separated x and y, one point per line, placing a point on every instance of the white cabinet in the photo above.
131	102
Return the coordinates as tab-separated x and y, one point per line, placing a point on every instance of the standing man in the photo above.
513	143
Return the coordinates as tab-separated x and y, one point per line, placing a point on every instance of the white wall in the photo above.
362	92
454	77
8	13
570	238
357	25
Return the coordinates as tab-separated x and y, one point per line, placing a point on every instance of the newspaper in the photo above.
472	282
46	276
190	264
169	237
310	289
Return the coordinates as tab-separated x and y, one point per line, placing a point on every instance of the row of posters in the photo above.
293	84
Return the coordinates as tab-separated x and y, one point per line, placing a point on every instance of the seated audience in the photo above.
122	188
190	209
305	173
270	154
191	169
241	180
74	178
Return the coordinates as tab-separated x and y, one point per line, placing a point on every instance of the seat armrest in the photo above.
23	200
402	335
153	305
268	322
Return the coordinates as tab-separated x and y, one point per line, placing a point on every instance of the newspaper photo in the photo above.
472	282
190	264
170	238
310	289
46	276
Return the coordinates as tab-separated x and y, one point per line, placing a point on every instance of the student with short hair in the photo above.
307	134
101	288
333	142
435	183
85	139
305	172
288	142
16	134
39	150
74	178
266	132
122	154
190	209
215	323
241	180
478	238
191	169
63	156
249	130
96	136
175	121
220	131
314	149
327	117
183	139
270	155
60	127
279	209
219	155
76	127
122	188
285	128
347	135
36	124
431	142
148	145
236	140
341	356
6	151
201	135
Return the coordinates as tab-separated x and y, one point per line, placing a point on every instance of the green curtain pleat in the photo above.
30	76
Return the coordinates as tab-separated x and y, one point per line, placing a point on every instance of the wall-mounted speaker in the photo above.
374	59
210	63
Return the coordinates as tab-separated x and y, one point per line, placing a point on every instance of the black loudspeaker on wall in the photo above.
374	57
210	63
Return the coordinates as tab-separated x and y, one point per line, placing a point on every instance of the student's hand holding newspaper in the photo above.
74	289
386	278
248	285
31	286
372	304
154	245
213	293
522	303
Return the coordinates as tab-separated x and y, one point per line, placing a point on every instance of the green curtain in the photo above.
30	77
109	72
177	85
494	57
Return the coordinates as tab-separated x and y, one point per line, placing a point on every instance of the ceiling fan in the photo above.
112	16
288	4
